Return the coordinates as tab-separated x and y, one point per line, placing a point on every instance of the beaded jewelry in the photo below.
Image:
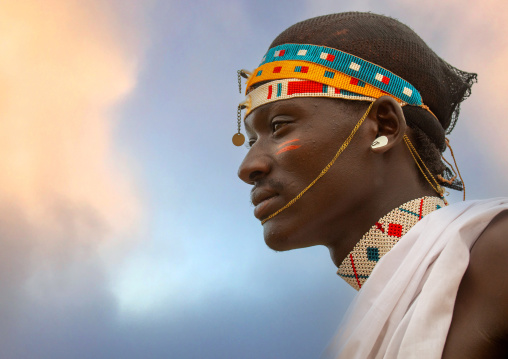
321	67
356	268
278	60
304	70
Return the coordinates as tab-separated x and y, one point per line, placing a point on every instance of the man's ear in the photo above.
387	115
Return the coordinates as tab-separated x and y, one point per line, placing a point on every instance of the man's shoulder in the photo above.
488	266
480	318
497	228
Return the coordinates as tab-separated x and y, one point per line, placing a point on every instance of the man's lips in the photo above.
261	199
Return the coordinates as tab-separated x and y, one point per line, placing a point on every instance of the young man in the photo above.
346	119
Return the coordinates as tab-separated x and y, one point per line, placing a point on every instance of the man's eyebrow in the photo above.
284	104
261	112
267	109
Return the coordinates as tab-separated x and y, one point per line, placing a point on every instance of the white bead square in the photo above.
354	66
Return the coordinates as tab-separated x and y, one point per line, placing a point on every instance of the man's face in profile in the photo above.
291	142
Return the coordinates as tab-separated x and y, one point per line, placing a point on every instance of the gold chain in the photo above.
239	73
456	167
413	151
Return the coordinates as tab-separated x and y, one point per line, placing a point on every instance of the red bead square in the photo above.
395	230
277	69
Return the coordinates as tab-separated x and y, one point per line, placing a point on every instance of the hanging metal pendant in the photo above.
238	139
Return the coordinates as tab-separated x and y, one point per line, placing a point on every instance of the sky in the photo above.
125	231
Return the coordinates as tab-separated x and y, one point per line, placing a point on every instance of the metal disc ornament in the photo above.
238	139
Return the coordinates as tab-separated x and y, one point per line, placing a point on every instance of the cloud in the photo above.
66	193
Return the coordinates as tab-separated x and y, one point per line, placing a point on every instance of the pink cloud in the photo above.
65	190
62	71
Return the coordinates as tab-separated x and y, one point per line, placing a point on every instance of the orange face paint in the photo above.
285	143
288	148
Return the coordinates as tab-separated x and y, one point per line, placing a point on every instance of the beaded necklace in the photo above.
382	236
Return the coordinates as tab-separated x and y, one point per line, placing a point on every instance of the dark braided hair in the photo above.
386	42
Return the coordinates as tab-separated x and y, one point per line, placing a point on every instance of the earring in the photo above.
379	142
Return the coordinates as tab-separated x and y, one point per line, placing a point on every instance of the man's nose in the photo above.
254	166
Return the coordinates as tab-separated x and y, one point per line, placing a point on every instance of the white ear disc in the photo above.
379	142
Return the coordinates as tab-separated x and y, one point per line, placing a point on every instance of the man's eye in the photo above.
278	125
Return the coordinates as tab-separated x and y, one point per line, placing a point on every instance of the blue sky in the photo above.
125	229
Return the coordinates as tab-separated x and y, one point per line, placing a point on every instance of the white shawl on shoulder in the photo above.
404	310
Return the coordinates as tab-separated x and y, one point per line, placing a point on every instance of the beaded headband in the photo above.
289	88
303	70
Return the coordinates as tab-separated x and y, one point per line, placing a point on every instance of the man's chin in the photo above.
278	246
280	240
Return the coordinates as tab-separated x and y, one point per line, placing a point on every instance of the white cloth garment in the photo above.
405	308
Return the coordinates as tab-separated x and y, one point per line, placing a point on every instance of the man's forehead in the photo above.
299	106
292	106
